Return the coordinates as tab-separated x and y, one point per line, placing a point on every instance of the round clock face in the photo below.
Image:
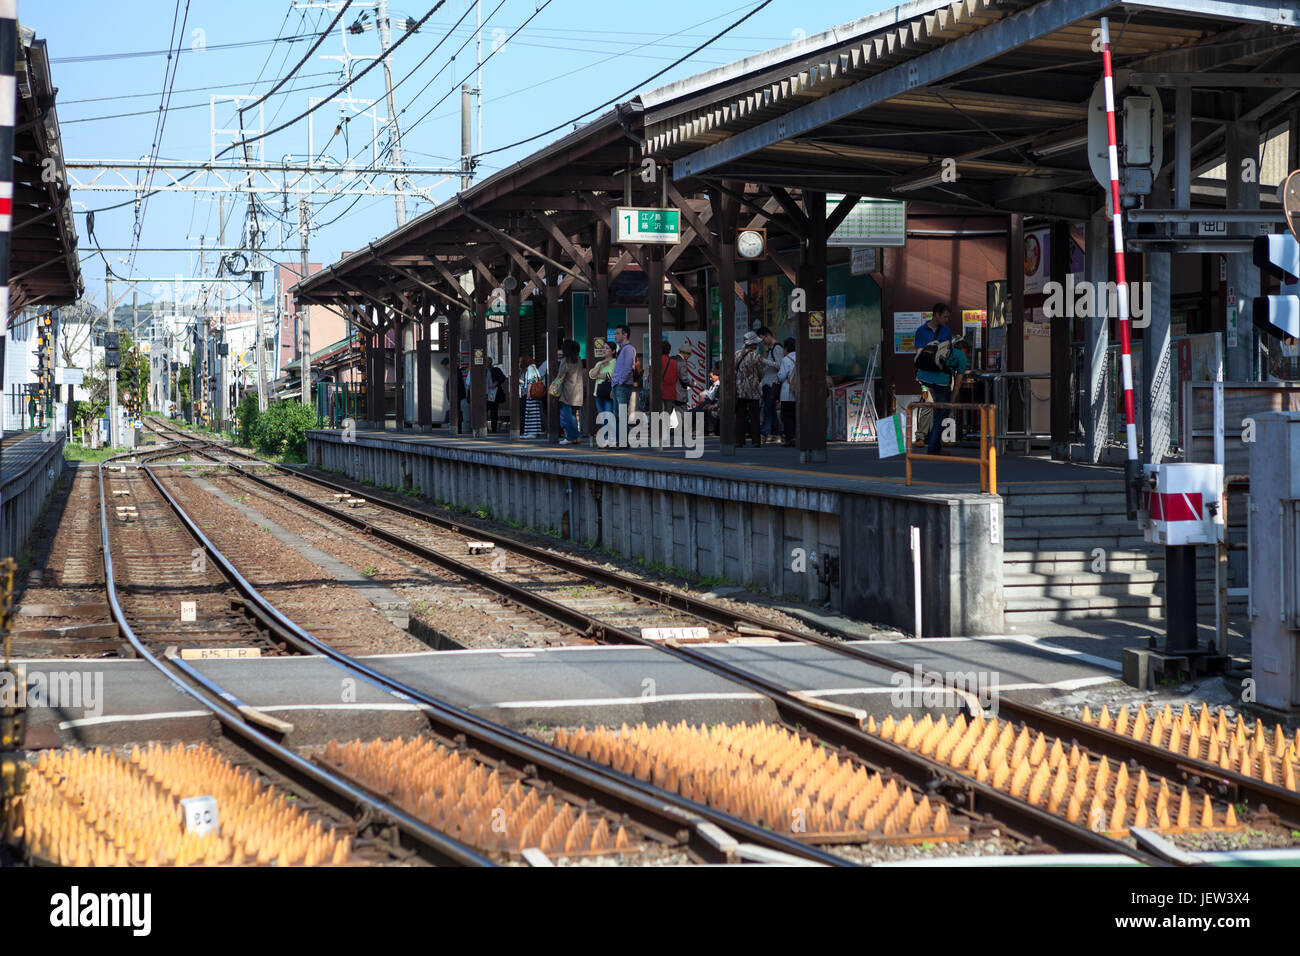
749	244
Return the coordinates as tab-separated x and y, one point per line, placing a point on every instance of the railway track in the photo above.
838	726
652	813
256	733
1230	782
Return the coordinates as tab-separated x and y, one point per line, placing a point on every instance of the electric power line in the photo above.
628	92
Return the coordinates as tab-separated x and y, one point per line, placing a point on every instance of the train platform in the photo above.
838	533
848	464
123	701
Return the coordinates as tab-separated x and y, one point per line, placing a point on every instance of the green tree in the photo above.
282	429
248	413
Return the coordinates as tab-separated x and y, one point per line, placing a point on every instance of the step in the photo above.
1142	606
1043	495
1050	562
1031	587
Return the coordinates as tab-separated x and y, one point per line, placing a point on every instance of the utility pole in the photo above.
478	73
111	372
221	337
466	129
304	310
385	38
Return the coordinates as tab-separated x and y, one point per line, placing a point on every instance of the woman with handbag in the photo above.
602	373
567	387
532	389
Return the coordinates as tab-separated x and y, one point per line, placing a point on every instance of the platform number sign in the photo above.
200	815
636	225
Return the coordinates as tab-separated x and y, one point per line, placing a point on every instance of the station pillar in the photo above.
512	361
424	372
810	354
478	367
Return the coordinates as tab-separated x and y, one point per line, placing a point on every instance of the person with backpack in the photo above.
788	378
772	354
933	342
749	391
601	373
532	389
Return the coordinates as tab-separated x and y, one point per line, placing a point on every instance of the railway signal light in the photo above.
1278	315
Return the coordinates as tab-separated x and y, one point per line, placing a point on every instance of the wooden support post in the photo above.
653	361
512	358
453	368
399	371
811	351
478	367
598	314
1061	381
553	365
1013	359
726	219
424	371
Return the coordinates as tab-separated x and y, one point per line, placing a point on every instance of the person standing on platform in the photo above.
669	370
497	385
749	391
570	378
639	398
684	378
772	356
601	373
621	379
533	392
932	372
788	377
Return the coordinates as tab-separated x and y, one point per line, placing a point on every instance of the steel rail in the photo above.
428	842
1229	784
919	771
651	806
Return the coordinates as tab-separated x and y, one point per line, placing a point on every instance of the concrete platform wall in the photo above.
26	488
785	539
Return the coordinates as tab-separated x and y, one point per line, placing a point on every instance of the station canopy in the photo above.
890	105
995	91
43	266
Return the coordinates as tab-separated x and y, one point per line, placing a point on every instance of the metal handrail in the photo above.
988	456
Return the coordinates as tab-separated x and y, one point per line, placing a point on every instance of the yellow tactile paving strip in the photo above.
769	776
463	798
1250	750
1092	792
94	808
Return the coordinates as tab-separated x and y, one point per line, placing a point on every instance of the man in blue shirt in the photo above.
939	384
621	379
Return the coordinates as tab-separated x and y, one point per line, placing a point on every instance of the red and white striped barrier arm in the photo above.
1121	281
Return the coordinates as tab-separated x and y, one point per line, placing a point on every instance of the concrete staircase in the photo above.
1052	533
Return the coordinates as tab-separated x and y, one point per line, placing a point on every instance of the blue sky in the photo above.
572	56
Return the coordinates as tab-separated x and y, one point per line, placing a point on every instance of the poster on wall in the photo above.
862	260
836	313
696	363
905	326
1037	259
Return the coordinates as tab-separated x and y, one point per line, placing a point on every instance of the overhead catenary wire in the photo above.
305	57
650	79
245	141
161	125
